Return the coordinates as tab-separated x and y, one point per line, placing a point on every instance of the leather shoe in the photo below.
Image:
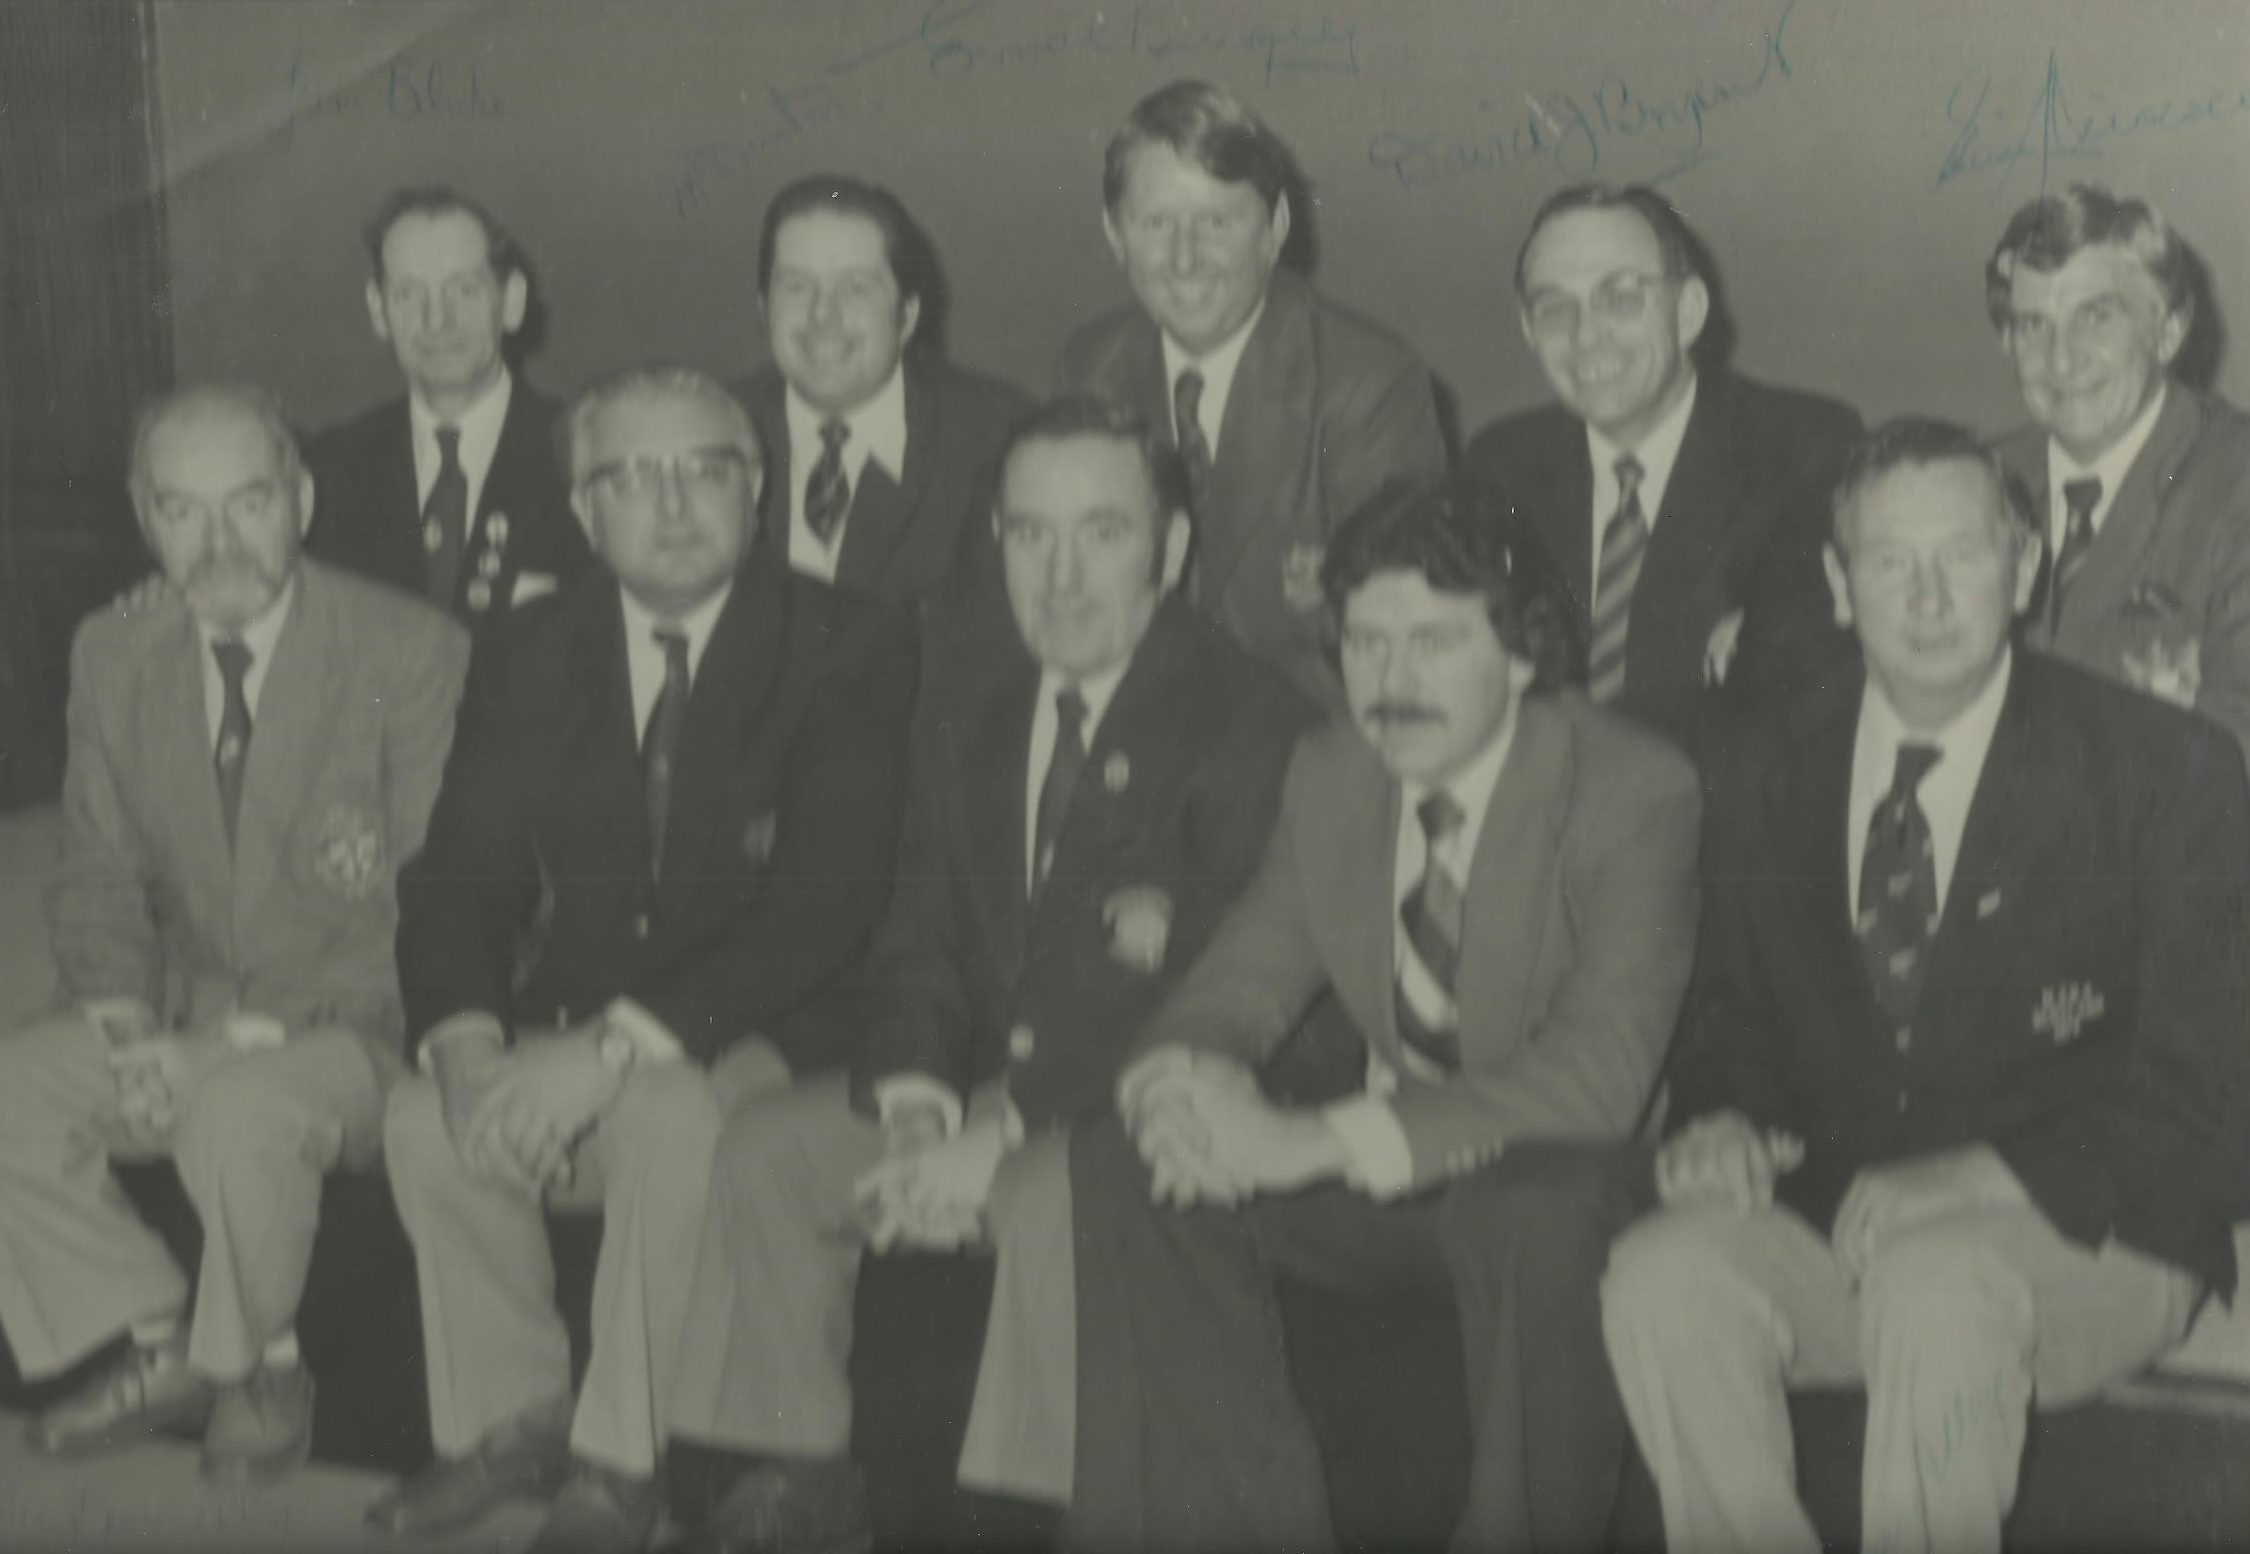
526	1458
600	1511
261	1427
146	1390
806	1507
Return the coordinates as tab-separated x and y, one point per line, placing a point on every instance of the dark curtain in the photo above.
85	334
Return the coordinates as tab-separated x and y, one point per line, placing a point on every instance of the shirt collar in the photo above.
1657	453
697	625
1963	741
1217	364
878	423
1094	690
261	634
1472	786
2110	468
479	425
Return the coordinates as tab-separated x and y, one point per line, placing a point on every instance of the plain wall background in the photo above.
1850	162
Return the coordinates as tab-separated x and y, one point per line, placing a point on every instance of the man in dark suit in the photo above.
1959	1099
880	452
1499	884
452	492
2142	484
1685	507
1290	410
679	780
1077	829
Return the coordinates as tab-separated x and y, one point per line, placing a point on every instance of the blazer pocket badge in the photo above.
2066	1009
348	852
530	586
1139	919
757	837
1117	771
1300	576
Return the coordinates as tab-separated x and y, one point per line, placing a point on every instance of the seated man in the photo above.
1958	1093
1078	827
252	753
665	833
1499	882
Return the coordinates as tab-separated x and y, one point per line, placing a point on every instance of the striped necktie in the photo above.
660	749
828	490
1060	783
2080	498
1898	900
1624	541
445	520
233	751
1187	433
1429	1022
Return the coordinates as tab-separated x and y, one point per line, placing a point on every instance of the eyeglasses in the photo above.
860	289
251	504
701	472
1618	299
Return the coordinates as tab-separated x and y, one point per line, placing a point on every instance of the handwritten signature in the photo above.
1999	138
1974	1411
402	87
1574	131
1149	30
778	116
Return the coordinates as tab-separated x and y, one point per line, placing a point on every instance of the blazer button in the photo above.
1902	1100
1905	1037
640	926
1021	1044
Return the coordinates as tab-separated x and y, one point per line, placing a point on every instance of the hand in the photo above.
1261	1146
1718	653
1725	1160
466	1067
143	595
936	1196
913	1126
1885	1200
548	1091
2173	677
157	1076
1158	1097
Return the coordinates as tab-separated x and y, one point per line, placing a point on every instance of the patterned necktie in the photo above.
828	491
445	519
2080	498
1060	782
1429	1022
1898	903
661	748
233	751
1187	433
1624	541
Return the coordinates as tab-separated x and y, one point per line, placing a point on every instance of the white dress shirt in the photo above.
259	637
479	426
878	431
2109	469
1657	453
1217	366
1945	791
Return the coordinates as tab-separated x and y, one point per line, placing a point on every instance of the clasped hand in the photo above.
1211	1137
516	1113
157	1074
929	1190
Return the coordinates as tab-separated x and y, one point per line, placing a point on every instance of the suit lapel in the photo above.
1700	501
398	505
1506	902
287	735
1809	805
1350	879
2113	563
730	689
602	740
995	771
176	732
2004	818
1140	373
1564	517
883	509
1269	413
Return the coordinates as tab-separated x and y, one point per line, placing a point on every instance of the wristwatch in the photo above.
616	1050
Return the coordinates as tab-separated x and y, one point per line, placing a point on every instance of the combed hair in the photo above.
1905	442
1452	536
2047	233
437	199
656	380
1086	415
906	247
1676	243
1209	126
260	404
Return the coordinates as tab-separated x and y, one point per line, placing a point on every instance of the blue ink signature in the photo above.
2052	132
1973	1411
782	115
1149	29
401	88
1573	131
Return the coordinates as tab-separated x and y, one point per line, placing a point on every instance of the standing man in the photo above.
664	839
1684	506
882	451
1499	883
253	752
1078	830
452	492
2142	483
1960	1092
1289	410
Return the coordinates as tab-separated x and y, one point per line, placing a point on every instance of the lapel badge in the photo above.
1987	904
433	536
480	594
1117	771
1140	922
348	851
757	837
2065	1009
496	531
488	564
1300	576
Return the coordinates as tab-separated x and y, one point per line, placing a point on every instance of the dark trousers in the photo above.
1190	1435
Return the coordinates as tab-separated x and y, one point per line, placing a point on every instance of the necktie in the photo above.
445	519
828	493
1060	782
1898	903
662	746
1428	1020
1187	434
2080	498
1624	541
233	750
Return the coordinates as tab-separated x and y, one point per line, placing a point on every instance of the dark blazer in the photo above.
1744	517
914	540
783	824
970	982
2171	562
2083	1003
1326	407
1578	933
367	513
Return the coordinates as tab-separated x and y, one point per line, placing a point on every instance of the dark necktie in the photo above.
1624	541
828	492
1187	435
1429	1021
2080	498
1060	782
662	746
233	751
1898	903
445	519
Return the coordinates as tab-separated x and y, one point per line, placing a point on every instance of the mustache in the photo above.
1403	714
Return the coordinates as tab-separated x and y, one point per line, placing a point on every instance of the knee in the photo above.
761	1144
1943	1288
415	1139
1031	1192
237	1116
1668	1278
668	1109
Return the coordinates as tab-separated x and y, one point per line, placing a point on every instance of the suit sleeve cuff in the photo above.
1381	1165
653	1041
895	1092
473	1023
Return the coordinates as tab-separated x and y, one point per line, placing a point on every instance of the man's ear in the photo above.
1839	587
515	301
909	319
1116	238
585	512
1277	228
2172	333
304	502
2031	554
375	319
1694	311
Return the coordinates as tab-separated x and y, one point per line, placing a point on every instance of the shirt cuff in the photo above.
652	1041
894	1092
473	1022
1381	1165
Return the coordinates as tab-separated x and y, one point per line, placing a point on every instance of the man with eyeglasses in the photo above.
1289	410
1684	503
253	753
451	492
662	843
2142	482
